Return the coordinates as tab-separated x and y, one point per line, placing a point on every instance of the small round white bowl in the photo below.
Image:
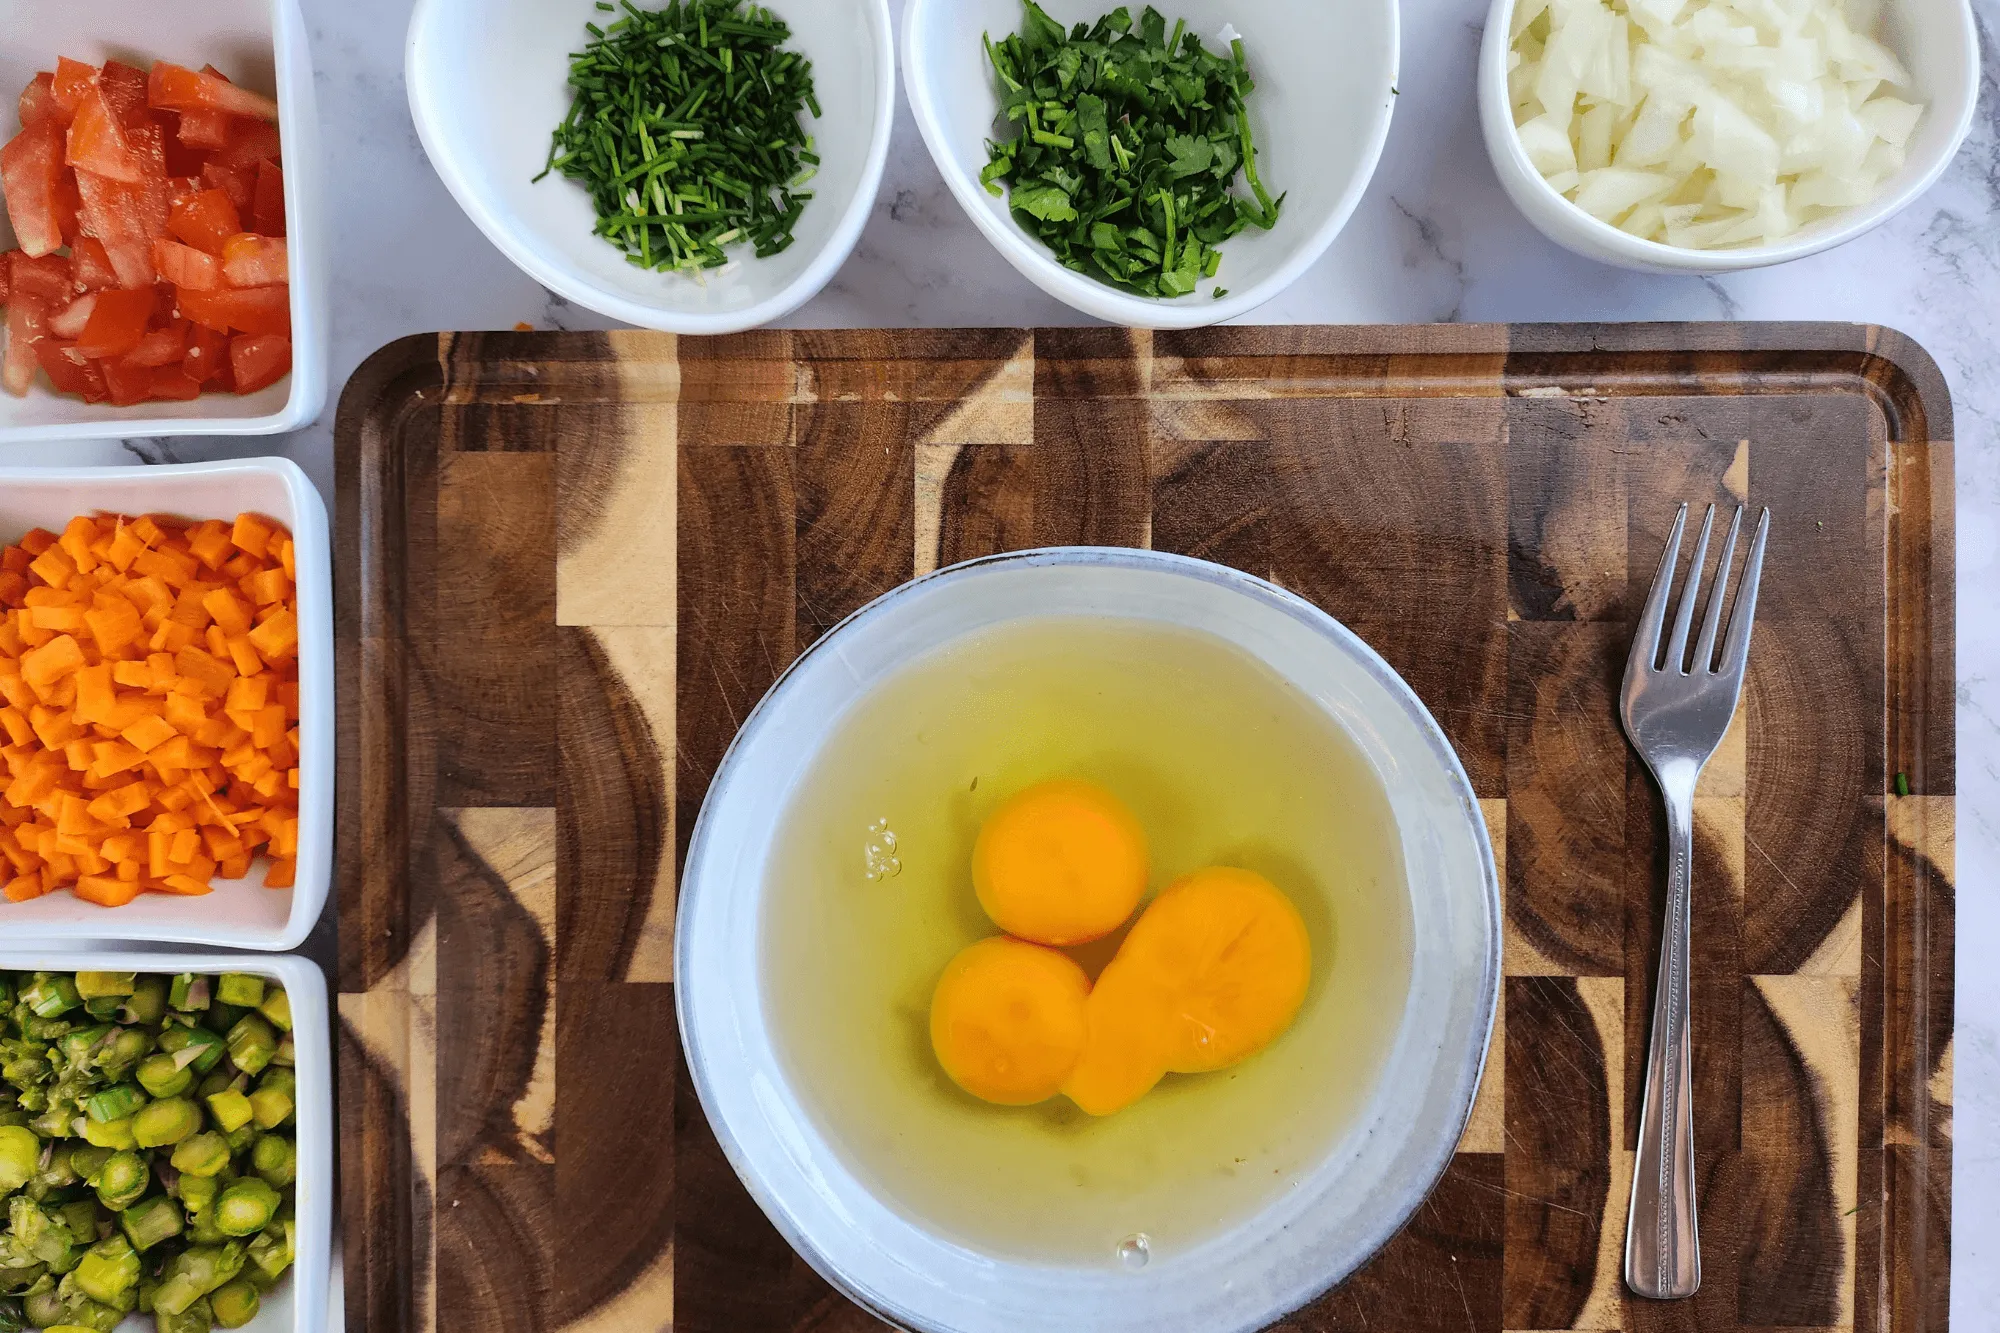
1936	40
488	85
1326	78
1340	1210
298	1304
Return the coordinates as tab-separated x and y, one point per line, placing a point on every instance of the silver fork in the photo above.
1676	711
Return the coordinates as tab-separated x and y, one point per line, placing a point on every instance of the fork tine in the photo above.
1677	647
1654	613
1736	647
1711	621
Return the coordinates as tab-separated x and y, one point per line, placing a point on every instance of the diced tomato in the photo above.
161	347
89	266
125	88
182	158
30	166
166	305
186	267
117	324
128	384
238	186
180	189
69	205
6	265
148	140
205	222
207	353
38	102
250	260
68	321
126	218
250	142
46	278
241	309
173	384
205	129
267	208
98	142
73	80
27	324
258	361
179	89
70	372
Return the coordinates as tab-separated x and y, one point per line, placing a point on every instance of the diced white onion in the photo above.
1709	123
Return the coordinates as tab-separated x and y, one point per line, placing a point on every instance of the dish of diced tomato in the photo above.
149	214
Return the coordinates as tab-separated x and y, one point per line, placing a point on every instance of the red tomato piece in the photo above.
207	354
267	208
161	347
128	384
125	88
186	267
250	142
180	89
69	207
241	309
38	102
166	305
173	384
89	266
30	167
73	80
69	372
205	222
6	267
250	260
182	159
205	129
117	323
46	278
238	186
68	320
98	142
27	324
258	361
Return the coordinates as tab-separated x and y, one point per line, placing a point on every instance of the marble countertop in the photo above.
1435	239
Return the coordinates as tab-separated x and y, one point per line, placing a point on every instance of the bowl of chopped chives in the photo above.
697	166
1161	166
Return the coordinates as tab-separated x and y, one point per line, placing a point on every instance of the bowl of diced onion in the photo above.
1708	136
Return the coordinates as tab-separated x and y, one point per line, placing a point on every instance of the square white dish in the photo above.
298	1304
240	913
262	45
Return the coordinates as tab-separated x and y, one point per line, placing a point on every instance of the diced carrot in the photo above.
149	732
105	890
22	888
186	885
49	663
231	615
283	874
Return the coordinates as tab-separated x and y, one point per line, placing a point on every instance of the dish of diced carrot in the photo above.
149	668
149	211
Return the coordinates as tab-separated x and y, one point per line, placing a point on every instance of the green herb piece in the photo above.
1130	141
1902	784
684	126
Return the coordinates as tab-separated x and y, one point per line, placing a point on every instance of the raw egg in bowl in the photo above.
1088	938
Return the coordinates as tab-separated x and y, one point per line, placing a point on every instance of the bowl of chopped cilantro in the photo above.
699	166
1161	167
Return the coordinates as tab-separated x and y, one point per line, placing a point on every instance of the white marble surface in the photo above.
1434	240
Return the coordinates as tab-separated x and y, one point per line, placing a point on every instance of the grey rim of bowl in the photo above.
1270	594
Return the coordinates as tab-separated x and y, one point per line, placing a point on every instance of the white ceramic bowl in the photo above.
1937	42
1340	1210
259	43
298	1304
1325	77
241	913
487	82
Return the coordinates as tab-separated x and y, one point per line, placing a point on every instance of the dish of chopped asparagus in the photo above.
147	1149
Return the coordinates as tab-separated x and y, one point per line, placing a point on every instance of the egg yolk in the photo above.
1061	863
1213	971
1007	1020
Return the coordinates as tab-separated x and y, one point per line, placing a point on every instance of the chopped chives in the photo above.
720	159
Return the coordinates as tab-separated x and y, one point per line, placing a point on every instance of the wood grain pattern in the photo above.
571	564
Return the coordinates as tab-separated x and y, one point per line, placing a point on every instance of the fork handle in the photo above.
1662	1252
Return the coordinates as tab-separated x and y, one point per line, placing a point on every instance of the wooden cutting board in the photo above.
569	564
